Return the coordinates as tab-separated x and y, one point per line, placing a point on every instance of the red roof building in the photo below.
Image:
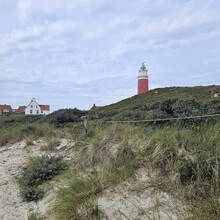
5	109
21	109
45	107
35	109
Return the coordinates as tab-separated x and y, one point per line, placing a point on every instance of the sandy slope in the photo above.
137	199
12	157
132	199
11	206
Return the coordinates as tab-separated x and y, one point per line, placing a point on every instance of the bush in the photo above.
35	172
31	193
107	115
183	107
60	117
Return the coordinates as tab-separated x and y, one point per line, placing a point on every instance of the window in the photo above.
31	106
42	112
30	111
37	111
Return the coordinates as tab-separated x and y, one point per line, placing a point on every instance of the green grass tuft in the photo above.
77	201
35	216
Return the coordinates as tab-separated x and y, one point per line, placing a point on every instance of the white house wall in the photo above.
34	109
45	112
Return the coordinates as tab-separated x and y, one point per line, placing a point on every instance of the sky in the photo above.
71	54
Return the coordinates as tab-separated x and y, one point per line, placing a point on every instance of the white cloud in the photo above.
36	37
24	10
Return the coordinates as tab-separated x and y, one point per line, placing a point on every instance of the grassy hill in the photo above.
163	102
157	103
200	93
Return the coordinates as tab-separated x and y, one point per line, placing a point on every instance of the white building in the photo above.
35	109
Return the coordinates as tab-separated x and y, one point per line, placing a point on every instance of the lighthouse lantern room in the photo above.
142	80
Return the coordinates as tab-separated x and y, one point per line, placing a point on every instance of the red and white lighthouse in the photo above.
142	80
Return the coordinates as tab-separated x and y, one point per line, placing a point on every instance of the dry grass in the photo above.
186	160
50	143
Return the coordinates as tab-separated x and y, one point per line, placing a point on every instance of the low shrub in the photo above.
63	116
183	107
36	171
31	193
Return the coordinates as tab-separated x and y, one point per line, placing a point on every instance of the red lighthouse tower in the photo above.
142	80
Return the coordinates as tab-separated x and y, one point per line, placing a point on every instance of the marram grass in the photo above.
186	158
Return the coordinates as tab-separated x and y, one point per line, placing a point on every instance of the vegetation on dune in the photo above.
50	143
78	199
35	216
30	132
184	154
14	128
37	170
163	103
63	116
18	120
169	108
200	93
186	160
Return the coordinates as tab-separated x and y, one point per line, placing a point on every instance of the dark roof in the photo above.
94	107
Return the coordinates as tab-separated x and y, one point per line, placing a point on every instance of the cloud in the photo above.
24	10
93	48
37	37
124	33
